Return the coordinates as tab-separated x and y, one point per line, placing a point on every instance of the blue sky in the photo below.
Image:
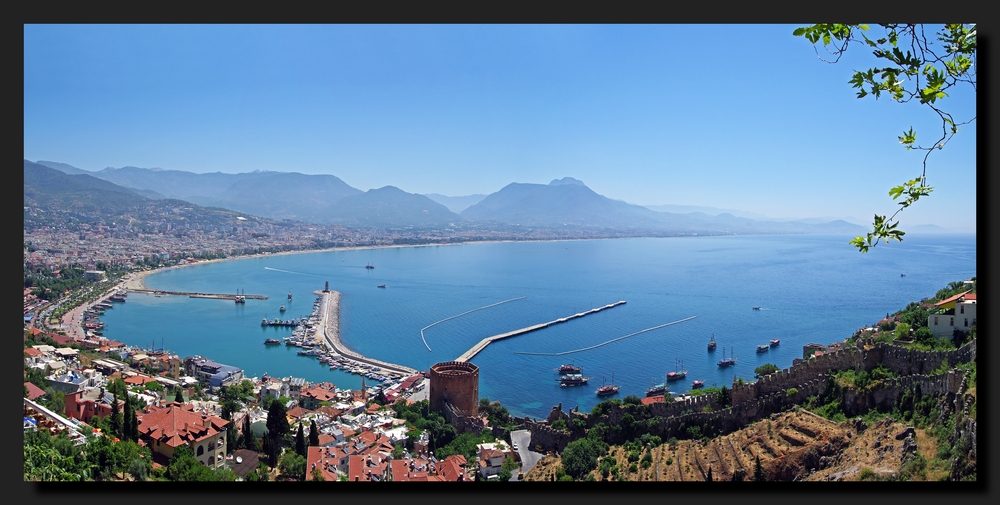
730	116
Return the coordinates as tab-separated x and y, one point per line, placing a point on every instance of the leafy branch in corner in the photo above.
909	54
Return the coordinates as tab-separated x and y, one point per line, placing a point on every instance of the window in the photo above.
966	322
201	450
951	321
935	321
962	309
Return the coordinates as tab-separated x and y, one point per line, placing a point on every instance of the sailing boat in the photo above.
677	374
727	362
608	390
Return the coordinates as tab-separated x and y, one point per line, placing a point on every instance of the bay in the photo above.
811	288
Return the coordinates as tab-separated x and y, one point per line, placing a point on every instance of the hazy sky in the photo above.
731	116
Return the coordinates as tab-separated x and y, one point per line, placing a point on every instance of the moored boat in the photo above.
281	309
271	341
775	342
677	374
565	369
381	286
573	379
697	384
608	389
724	362
711	343
762	348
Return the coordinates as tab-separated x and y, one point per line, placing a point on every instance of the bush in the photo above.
791	391
866	474
559	424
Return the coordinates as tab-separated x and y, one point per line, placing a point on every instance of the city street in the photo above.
522	439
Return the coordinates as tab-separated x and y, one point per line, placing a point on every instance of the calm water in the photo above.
810	289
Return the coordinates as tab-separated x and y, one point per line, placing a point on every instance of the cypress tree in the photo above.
127	420
709	477
313	434
300	442
179	397
248	439
758	471
116	417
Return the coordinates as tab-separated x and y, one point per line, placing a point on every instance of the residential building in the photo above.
956	312
165	429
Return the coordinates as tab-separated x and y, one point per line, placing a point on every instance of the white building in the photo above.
959	312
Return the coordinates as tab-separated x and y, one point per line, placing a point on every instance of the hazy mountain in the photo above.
456	204
52	196
710	211
569	202
390	207
49	188
565	202
930	229
275	195
282	195
64	168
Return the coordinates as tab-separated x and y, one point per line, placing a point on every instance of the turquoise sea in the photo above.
810	288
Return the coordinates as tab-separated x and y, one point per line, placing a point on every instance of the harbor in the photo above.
217	296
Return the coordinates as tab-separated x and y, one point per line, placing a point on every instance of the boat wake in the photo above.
460	315
608	342
288	271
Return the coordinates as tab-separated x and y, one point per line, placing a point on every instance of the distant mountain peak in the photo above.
566	181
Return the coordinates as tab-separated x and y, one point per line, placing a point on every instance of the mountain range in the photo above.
565	203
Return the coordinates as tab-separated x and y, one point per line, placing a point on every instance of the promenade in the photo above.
329	332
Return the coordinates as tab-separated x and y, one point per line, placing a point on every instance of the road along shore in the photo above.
329	332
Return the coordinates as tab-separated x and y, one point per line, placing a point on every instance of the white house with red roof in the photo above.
956	312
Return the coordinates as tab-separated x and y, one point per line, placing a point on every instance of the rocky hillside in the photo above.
792	446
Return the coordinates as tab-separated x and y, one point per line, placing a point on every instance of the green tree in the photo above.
580	456
179	397
300	441
724	398
758	471
249	441
929	64
116	417
293	465
277	427
313	434
183	467
765	369
317	474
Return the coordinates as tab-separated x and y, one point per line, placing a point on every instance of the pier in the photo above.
329	329
217	296
467	355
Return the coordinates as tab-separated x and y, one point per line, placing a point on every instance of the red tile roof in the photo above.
953	298
653	399
31	352
34	391
178	425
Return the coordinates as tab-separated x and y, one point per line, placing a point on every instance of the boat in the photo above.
608	389
381	286
697	384
272	341
711	343
564	369
240	297
755	307
573	379
902	275
369	266
289	295
677	375
281	309
775	342
723	363
762	348
657	389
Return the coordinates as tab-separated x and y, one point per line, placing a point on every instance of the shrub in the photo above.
866	474
792	391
